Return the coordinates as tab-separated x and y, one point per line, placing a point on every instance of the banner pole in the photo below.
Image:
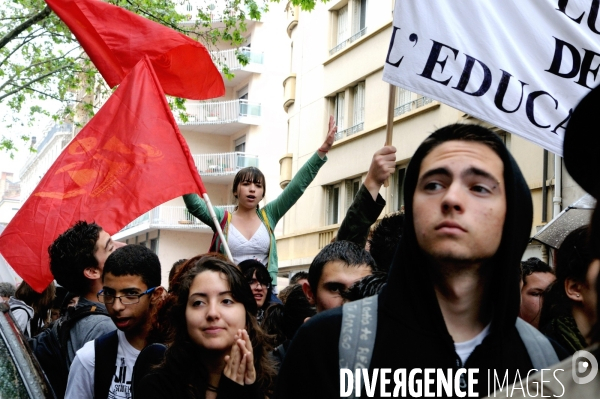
217	224
390	122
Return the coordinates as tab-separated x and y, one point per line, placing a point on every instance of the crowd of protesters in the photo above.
439	286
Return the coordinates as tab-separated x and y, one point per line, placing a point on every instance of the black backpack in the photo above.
50	346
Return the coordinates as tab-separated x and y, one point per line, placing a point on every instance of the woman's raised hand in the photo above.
326	146
239	364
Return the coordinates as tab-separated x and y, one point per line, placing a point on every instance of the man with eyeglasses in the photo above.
260	283
131	288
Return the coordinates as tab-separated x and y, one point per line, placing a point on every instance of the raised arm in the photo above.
368	204
305	175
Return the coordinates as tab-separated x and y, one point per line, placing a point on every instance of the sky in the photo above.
22	154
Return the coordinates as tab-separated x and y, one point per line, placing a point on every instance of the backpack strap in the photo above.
106	348
539	348
27	330
62	327
357	335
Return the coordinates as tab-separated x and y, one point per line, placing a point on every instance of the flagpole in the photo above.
390	122
217	224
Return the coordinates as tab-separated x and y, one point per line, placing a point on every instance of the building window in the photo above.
399	182
351	24
240	144
154	245
352	187
339	109
358	104
407	101
342	25
333	204
357	111
359	16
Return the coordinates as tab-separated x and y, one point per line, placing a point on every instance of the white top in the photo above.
464	349
257	247
81	376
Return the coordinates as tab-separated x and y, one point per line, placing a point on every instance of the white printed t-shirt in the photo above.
81	375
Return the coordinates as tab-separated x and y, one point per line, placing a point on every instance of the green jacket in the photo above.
274	210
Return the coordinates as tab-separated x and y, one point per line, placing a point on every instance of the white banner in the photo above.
522	65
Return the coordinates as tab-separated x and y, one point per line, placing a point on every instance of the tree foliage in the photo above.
41	60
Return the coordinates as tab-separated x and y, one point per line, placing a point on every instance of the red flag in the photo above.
116	39
127	160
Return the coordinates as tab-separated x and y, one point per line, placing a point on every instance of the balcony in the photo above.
221	117
289	91
293	12
229	58
350	131
348	41
411	105
166	218
221	168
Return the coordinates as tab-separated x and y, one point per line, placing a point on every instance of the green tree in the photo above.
41	60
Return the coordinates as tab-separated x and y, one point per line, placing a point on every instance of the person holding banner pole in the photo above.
248	230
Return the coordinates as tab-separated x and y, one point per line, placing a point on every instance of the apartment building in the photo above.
245	127
337	56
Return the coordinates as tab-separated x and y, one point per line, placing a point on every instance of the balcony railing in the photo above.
346	42
212	112
223	163
230	59
414	104
171	217
350	131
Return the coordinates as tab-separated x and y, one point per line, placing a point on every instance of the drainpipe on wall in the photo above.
557	199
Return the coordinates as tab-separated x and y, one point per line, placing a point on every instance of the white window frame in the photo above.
358	104
333	217
339	105
352	187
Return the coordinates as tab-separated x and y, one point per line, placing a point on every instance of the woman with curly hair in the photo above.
215	347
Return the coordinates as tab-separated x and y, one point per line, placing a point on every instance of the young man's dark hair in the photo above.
298	276
385	238
134	260
343	251
334	269
534	265
71	253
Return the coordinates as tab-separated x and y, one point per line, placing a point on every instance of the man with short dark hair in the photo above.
452	297
536	276
131	288
334	269
77	259
299	278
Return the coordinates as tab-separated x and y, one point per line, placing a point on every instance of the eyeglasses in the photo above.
109	299
254	283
